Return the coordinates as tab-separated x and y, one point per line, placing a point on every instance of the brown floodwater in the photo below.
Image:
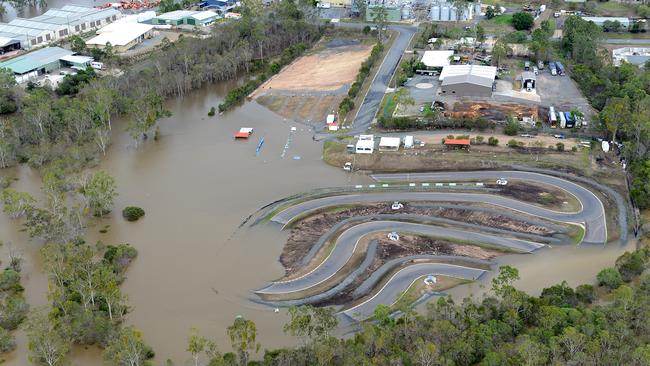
195	267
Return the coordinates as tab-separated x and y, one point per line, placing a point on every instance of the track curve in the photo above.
349	239
401	280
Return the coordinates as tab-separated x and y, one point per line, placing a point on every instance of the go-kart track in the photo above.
590	216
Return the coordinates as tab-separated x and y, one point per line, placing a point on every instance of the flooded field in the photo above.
195	267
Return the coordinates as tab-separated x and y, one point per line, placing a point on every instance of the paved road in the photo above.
627	41
371	103
349	239
391	291
592	215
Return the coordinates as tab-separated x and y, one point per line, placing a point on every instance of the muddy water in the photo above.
195	267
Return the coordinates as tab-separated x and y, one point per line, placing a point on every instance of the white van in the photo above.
97	65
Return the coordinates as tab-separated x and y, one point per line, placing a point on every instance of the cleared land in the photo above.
328	70
313	86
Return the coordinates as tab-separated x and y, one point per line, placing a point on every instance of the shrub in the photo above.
586	293
632	264
574	149
132	213
559	146
522	21
512	127
513	143
493	141
479	139
517	37
560	295
609	277
212	111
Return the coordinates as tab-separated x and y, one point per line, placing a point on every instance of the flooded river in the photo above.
195	267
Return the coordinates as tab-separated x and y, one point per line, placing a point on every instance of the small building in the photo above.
528	80
9	45
408	142
122	38
457	144
437	59
221	6
76	62
600	21
33	64
186	17
389	143
467	80
365	144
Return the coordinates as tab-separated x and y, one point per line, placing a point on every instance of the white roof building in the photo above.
120	36
634	55
436	58
478	71
365	144
389	143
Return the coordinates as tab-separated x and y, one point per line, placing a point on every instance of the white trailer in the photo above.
562	120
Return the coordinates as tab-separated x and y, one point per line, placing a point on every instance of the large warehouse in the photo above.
467	80
56	24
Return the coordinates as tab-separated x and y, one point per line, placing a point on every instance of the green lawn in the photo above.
614	9
499	25
502	19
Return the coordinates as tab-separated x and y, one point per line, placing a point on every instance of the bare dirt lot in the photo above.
313	86
327	70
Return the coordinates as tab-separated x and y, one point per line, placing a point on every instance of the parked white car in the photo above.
397	206
502	181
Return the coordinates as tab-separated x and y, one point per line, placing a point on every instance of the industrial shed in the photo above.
437	59
121	37
55	24
188	17
467	80
36	63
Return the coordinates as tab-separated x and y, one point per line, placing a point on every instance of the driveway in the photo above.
370	105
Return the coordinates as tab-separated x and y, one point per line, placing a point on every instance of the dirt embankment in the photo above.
305	233
547	196
491	110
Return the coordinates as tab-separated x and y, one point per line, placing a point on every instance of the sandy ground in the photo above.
327	70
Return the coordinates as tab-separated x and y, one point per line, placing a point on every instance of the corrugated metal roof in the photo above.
476	70
468	78
176	15
31	32
27	23
6	41
35	60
